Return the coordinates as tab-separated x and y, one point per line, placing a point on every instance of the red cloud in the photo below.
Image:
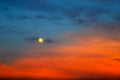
85	57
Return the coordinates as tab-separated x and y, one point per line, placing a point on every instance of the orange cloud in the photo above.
85	57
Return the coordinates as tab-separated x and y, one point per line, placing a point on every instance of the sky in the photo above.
81	39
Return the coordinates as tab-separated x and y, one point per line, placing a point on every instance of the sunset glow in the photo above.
80	39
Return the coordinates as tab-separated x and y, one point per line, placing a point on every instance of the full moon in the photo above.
40	40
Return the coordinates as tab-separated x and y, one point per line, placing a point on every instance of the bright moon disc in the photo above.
40	40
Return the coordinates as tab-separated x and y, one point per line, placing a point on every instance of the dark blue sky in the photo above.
21	19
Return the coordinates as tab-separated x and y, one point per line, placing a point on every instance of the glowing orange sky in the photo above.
71	61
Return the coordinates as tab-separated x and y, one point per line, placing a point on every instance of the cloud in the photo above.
18	16
35	39
24	17
68	61
117	59
91	15
50	41
55	18
45	17
62	68
111	31
104	31
31	39
40	17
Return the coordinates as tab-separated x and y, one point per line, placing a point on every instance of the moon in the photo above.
40	40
